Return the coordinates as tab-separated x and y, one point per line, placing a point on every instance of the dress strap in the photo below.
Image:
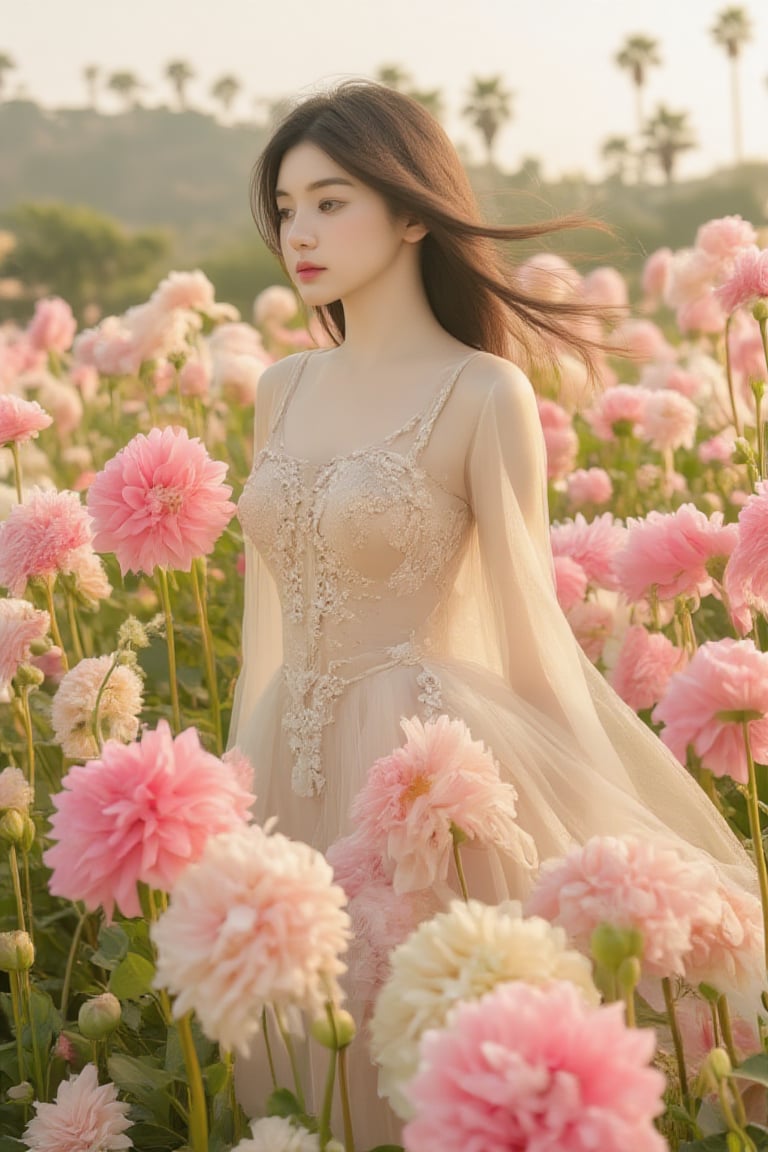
431	415
285	399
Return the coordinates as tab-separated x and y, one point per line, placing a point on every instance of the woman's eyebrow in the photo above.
326	182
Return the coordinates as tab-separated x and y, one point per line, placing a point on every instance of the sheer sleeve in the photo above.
262	624
526	636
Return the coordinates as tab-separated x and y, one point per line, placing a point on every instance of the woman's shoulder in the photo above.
277	375
492	380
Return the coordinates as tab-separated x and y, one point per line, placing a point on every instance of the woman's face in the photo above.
337	236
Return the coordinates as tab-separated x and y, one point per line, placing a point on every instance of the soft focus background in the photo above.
127	133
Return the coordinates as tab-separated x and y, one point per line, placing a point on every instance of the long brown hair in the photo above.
392	144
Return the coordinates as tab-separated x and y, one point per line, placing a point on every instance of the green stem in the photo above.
73	627
17	471
198	1115
17	1023
198	583
28	896
724	1017
677	1041
27	717
756	834
73	946
13	862
268	1046
729	376
346	1111
237	1112
95	725
287	1040
325	1115
733	1124
26	992
55	633
165	599
460	869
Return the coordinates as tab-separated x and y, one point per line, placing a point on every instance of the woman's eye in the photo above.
283	213
329	205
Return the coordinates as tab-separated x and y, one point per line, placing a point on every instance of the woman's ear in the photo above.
414	230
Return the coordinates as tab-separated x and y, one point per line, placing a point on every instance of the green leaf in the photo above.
113	946
46	1020
753	1068
387	1148
283	1103
216	1076
719	1142
137	1076
132	977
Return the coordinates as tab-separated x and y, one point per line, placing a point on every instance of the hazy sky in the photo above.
556	55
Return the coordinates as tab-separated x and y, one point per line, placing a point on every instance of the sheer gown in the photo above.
373	592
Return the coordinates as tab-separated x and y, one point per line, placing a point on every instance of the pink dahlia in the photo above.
591	624
536	1068
84	1116
668	552
729	953
724	677
440	779
191	290
669	421
605	288
629	883
618	411
381	919
570	582
40	536
694	1017
655	274
594	544
21	420
256	920
52	328
704	315
718	449
641	340
748	280
20	625
139	815
160	502
560	439
746	577
589	486
725	237
643	667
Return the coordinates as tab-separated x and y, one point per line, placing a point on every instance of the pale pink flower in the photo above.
718	449
746	348
160	502
725	237
574	388
381	919
618	412
703	315
589	486
356	863
605	288
21	420
724	676
39	537
462	954
668	552
729	953
536	1068
75	699
694	1018
20	625
195	377
547	276
640	340
439	779
242	768
90	575
644	665
748	280
158	331
629	883
570	582
15	791
237	376
257	920
64	403
274	305
591	624
187	290
746	576
275	1134
52	328
163	376
51	664
139	815
594	544
692	274
655	274
112	348
85	1117
86	379
671	378
669	421
560	439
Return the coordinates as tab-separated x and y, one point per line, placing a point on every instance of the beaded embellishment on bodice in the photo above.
362	549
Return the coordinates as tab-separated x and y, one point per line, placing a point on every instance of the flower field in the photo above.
150	932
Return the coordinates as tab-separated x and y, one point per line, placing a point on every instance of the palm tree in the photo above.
732	30
429	98
179	72
7	64
488	108
617	153
224	90
91	75
125	85
636	56
668	134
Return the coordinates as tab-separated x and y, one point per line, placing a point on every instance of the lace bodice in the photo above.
361	549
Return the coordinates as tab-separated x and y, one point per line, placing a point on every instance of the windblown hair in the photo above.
392	144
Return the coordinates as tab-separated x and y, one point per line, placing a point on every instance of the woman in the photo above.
396	516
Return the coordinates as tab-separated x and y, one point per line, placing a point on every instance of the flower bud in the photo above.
17	952
760	310
133	634
22	1093
28	838
335	1036
12	826
28	676
628	974
334	1146
718	1065
611	945
99	1017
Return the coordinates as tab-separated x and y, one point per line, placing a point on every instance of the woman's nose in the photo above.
300	235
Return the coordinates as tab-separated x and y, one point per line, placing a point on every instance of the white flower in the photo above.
460	955
84	1118
15	792
274	1134
75	700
